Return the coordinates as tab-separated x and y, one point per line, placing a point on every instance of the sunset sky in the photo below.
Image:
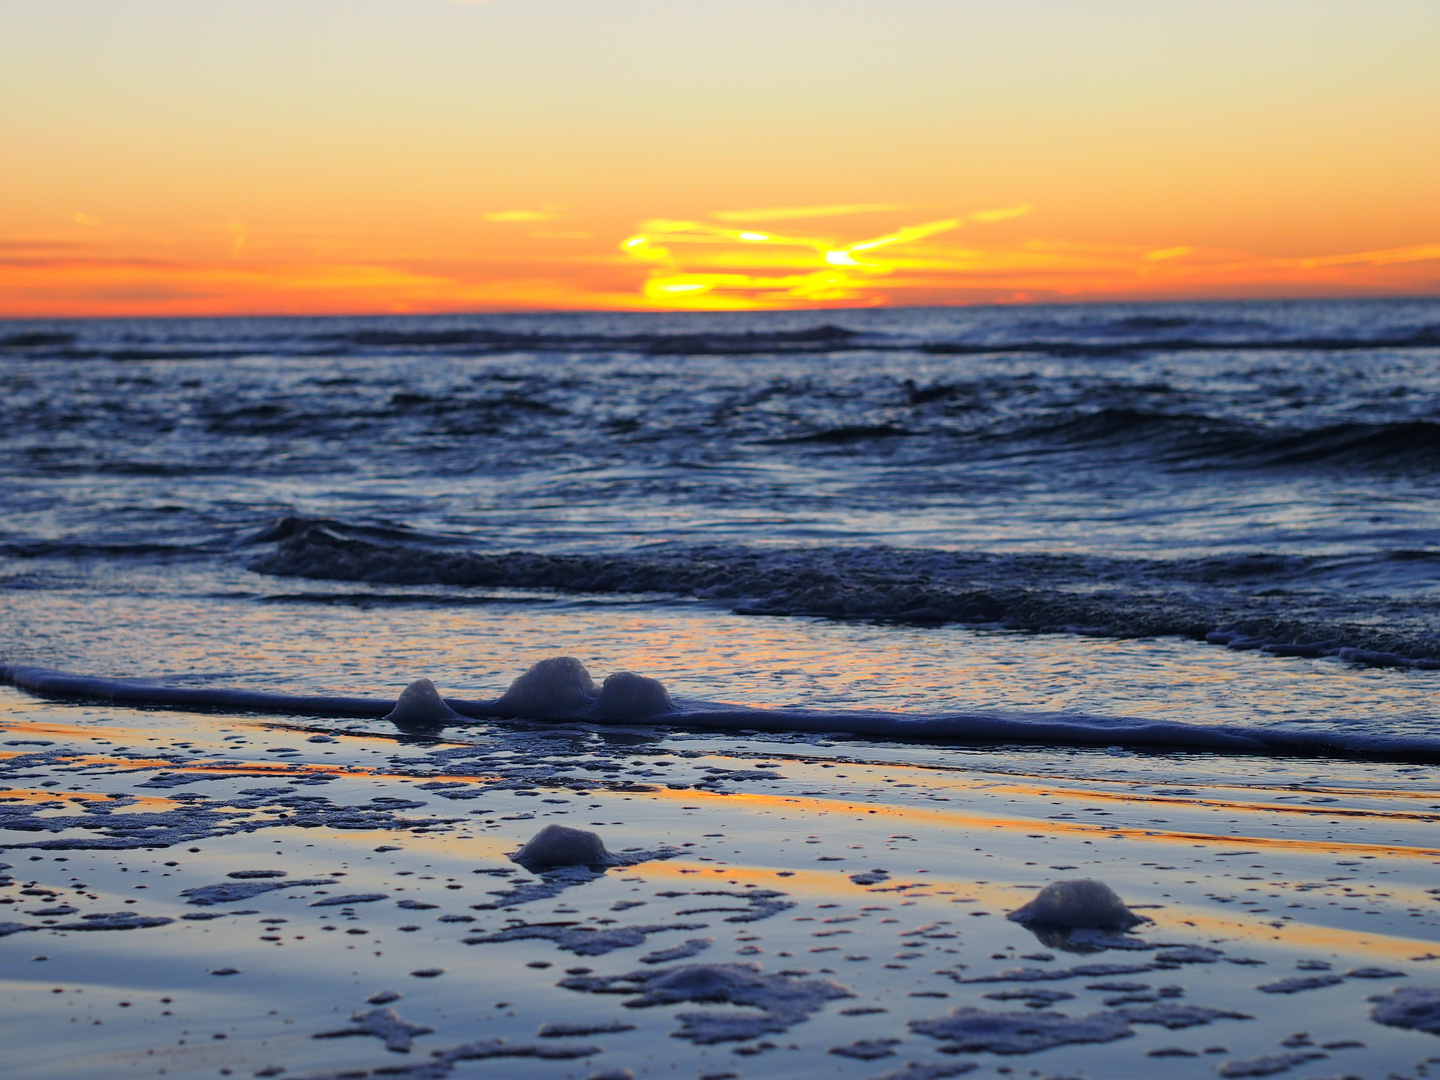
316	156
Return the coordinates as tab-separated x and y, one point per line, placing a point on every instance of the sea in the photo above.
1040	690
1207	514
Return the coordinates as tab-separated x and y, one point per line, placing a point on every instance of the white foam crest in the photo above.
420	705
627	696
559	688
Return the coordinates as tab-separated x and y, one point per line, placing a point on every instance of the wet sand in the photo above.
203	895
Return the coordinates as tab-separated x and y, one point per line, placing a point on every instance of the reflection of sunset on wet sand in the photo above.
887	869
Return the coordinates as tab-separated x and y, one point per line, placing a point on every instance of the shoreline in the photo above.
946	840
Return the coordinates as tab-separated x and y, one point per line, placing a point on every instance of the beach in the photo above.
1281	899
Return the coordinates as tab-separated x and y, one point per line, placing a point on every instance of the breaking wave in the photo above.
1292	605
1181	438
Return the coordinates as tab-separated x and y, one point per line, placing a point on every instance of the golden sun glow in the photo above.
730	260
696	264
478	157
701	265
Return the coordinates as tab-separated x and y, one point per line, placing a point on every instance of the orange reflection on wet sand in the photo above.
70	731
1004	898
37	795
1293	935
149	802
959	819
1068	789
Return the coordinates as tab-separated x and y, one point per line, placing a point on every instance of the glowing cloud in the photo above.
90	267
548	214
1003	214
705	266
1414	253
789	213
700	265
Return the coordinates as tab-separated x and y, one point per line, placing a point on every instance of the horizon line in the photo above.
839	308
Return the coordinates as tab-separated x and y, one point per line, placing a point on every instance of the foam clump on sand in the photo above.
230	892
384	1024
118	920
558	845
1299	983
559	685
927	1070
969	1030
582	940
782	1000
1083	902
1268	1065
1410	1007
626	695
420	704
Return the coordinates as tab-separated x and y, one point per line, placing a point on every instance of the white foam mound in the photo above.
557	686
557	845
626	695
1082	902
421	703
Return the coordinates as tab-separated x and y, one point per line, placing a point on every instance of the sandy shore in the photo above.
202	895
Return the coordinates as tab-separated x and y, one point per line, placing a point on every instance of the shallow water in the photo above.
885	870
335	643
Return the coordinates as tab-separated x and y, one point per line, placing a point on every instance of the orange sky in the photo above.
311	156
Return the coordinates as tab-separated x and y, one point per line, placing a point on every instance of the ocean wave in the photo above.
1414	443
811	339
71	346
513	401
1081	331
1261	601
1179	437
36	339
98	549
464	341
282	528
847	433
542	703
1421	339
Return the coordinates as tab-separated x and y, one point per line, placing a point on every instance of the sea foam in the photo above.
561	689
560	845
558	686
420	705
1083	902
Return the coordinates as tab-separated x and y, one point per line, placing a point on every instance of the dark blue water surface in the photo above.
1254	474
